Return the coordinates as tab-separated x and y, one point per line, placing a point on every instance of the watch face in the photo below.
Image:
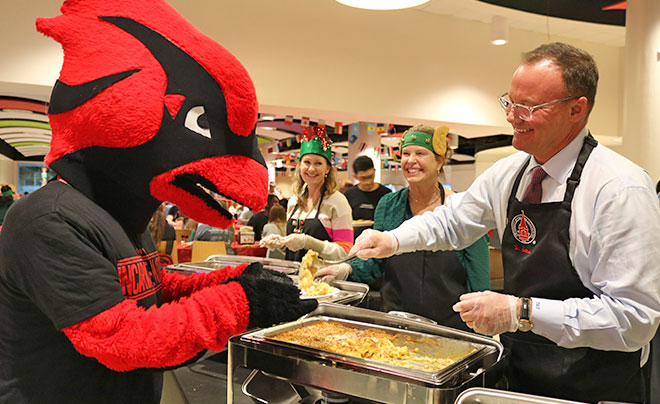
525	325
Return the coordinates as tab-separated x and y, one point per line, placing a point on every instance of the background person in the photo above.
319	217
345	185
432	281
161	230
581	294
364	197
174	217
276	226
259	219
245	214
205	232
6	200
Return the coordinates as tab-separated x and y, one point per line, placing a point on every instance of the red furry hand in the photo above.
272	297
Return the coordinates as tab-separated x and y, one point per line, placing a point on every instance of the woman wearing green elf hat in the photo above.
318	216
6	200
423	282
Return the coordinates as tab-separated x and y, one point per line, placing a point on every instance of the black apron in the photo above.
310	226
537	264
425	283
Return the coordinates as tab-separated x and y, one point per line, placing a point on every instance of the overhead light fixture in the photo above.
499	30
382	4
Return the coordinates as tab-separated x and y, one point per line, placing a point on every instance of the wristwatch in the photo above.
525	323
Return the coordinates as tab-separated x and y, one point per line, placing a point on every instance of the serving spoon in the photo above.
349	257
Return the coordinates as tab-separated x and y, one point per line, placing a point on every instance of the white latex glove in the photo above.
271	241
375	244
332	272
294	241
489	313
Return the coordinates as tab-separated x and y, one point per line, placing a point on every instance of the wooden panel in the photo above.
201	250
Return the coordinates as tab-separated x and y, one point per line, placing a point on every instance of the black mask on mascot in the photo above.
164	114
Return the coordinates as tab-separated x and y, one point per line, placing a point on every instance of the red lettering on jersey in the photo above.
139	275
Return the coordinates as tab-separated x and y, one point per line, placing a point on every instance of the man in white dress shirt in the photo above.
580	232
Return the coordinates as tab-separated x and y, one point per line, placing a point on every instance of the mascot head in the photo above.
148	109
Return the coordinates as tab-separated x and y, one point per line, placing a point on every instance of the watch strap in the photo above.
524	308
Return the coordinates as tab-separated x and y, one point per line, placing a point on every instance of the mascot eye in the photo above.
197	121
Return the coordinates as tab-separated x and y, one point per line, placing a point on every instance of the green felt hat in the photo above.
437	143
315	140
6	190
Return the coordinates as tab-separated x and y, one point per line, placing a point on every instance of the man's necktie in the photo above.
534	191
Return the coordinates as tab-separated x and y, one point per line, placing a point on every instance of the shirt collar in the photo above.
560	165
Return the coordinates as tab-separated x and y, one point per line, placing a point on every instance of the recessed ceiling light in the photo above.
382	4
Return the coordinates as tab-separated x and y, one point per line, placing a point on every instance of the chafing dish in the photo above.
478	395
362	378
220	261
346	293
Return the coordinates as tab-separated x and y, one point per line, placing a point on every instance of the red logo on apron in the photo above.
523	229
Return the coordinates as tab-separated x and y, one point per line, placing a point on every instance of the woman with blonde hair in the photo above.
319	216
421	282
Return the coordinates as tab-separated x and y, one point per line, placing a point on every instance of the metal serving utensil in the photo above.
349	257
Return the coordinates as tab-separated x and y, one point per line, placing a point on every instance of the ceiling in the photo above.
568	18
611	12
25	133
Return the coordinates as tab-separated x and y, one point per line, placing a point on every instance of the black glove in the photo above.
273	301
257	271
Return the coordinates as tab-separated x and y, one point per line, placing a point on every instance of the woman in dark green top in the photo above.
6	200
423	282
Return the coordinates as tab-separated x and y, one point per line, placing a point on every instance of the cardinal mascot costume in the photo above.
146	109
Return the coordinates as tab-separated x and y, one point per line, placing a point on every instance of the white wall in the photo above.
8	170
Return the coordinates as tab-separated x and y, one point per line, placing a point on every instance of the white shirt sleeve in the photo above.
466	216
614	247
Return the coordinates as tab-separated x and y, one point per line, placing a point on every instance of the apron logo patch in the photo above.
523	229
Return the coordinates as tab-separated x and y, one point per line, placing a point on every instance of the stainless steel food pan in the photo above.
427	344
360	378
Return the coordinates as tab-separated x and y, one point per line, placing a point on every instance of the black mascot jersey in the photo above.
53	280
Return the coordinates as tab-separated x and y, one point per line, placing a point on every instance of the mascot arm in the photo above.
176	286
127	337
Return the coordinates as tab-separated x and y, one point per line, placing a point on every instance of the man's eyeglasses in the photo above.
523	111
366	177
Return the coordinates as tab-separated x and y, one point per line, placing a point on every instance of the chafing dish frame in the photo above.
299	366
479	395
220	261
349	292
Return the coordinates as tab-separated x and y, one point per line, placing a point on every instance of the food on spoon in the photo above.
308	269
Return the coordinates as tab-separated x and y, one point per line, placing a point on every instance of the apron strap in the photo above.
516	183
574	179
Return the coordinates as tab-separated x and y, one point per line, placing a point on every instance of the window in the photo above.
32	176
